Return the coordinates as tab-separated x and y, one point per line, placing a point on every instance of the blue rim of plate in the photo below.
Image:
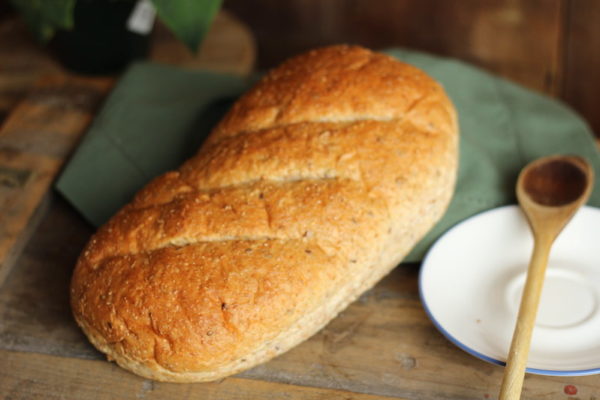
473	352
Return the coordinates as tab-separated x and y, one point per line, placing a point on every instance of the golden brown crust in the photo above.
316	183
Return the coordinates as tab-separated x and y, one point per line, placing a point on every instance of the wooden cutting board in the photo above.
383	346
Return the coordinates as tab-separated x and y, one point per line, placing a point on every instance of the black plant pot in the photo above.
100	42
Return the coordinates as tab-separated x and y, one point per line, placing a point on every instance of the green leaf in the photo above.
188	19
44	16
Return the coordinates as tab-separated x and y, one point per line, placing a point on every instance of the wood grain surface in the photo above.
34	142
582	60
93	380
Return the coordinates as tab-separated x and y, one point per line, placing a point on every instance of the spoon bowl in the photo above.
554	181
550	190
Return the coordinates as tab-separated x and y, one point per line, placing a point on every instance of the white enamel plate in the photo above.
471	283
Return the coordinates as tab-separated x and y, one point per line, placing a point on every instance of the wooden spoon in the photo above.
550	190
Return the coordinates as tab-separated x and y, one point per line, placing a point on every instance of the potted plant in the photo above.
102	36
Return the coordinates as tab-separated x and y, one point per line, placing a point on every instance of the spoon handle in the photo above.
512	381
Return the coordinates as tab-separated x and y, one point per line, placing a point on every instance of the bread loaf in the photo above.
313	187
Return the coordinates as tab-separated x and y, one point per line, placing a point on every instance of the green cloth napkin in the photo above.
157	116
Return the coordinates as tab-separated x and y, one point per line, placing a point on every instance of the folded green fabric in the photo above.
157	116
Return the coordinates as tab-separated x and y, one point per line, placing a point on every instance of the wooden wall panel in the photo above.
582	61
519	39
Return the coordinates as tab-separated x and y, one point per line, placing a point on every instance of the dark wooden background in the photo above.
552	46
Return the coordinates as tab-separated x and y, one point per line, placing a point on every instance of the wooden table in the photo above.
383	346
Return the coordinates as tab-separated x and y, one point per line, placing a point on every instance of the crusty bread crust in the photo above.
313	187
